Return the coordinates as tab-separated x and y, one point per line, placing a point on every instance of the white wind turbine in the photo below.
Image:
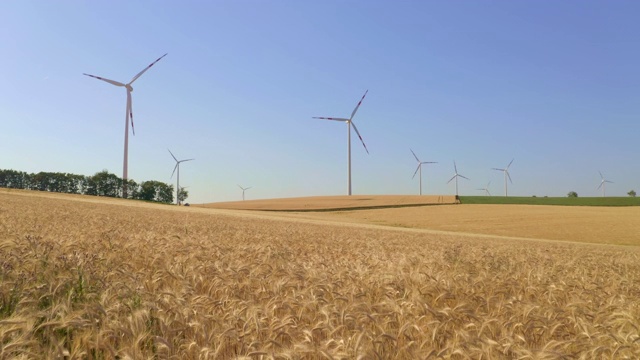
506	175
129	115
603	184
419	168
349	122
177	167
456	176
486	189
243	190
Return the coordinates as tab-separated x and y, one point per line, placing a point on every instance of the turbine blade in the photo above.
488	192
455	167
130	110
357	132
599	186
454	176
174	170
145	69
429	162
414	155
510	163
357	106
113	82
249	188
497	169
414	174
464	177
601	175
186	160
174	158
330	118
509	176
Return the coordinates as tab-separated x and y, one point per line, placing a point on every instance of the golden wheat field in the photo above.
83	278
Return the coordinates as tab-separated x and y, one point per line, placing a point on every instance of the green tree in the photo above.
572	194
182	195
632	193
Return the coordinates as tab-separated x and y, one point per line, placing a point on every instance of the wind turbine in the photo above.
128	115
177	167
419	168
486	189
603	184
243	190
456	176
506	175
349	122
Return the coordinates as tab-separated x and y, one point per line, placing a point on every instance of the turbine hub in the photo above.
129	87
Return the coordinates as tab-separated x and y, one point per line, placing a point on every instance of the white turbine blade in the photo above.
174	170
240	187
113	82
497	169
455	168
249	188
509	176
145	69
602	177
453	177
510	163
357	132
609	181
130	110
357	106
488	192
414	174
429	162
174	158
186	160
414	155
464	177
330	118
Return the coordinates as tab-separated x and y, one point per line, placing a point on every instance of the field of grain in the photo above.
589	224
82	278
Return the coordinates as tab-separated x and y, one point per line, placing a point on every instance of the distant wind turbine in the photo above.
177	167
603	184
129	115
243	190
486	189
456	176
506	175
350	122
419	168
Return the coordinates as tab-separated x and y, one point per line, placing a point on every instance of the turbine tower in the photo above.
486	189
177	167
603	184
128	115
350	123
243	190
456	176
419	168
506	175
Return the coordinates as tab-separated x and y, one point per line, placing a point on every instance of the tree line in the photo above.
101	183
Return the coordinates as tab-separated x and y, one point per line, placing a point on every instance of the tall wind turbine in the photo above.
419	168
349	122
177	167
506	175
243	190
128	115
456	176
486	189
603	184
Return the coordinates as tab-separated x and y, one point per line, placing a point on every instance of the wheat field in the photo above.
90	279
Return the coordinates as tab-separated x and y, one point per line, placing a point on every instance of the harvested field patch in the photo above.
324	203
95	280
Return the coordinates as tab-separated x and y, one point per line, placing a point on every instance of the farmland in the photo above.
85	277
565	201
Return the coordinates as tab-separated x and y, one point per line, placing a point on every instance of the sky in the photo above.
554	85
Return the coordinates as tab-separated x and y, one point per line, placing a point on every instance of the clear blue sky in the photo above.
553	84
